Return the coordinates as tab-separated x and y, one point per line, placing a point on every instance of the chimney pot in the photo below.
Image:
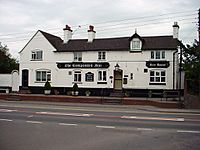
175	30
67	33
91	34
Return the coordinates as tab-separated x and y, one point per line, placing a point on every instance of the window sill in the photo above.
101	82
157	83
36	59
135	50
77	82
42	81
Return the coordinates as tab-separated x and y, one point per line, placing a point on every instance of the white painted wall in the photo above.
10	80
129	62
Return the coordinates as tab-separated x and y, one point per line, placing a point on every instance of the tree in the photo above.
191	64
7	63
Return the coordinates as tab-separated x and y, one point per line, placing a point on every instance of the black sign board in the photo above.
157	64
84	65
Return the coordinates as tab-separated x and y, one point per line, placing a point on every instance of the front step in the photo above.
117	94
112	100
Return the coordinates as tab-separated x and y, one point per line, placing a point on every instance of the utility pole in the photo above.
199	47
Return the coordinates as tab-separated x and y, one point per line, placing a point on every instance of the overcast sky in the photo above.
20	19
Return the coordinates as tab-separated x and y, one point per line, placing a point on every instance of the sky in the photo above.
20	19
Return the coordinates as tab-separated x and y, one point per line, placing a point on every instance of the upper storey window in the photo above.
158	55
101	55
136	44
36	55
77	56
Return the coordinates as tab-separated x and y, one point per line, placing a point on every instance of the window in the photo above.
77	76
43	75
102	76
157	76
77	56
36	55
136	44
101	55
89	77
157	54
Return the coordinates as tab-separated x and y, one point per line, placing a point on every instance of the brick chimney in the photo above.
175	30
67	33
91	34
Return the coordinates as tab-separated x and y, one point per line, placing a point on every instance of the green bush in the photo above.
75	87
47	86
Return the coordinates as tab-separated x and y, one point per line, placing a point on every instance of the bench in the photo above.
4	89
171	94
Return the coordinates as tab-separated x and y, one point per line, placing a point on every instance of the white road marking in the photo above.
67	124
144	129
34	122
6	120
187	131
65	114
106	127
30	116
152	118
7	110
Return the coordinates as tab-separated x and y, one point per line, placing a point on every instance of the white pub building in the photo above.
135	64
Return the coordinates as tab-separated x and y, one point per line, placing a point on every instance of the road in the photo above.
47	126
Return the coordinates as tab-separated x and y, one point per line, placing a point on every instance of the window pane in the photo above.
38	76
152	54
157	73
151	79
104	75
151	73
39	55
43	75
162	79
157	54
157	79
163	54
49	77
99	75
162	73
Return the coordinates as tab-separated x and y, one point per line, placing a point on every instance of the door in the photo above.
118	80
25	78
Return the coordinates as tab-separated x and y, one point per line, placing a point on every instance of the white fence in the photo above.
10	81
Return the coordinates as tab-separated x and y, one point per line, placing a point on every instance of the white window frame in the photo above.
77	56
102	76
102	55
157	76
36	56
77	76
42	75
158	55
136	44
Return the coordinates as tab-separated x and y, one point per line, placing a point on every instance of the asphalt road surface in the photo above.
47	126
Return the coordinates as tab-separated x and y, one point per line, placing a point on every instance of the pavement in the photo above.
109	106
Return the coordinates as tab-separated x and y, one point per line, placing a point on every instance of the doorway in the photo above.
25	78
118	79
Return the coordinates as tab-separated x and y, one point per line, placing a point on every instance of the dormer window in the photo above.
136	44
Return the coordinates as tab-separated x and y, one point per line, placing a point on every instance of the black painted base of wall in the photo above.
100	91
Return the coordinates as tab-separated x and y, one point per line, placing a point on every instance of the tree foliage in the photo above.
191	61
7	63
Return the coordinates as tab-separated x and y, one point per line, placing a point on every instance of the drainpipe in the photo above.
174	68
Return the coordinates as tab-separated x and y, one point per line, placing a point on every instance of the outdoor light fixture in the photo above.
116	67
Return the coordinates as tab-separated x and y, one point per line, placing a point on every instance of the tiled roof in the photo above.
111	44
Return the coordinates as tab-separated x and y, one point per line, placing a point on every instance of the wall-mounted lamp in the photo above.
116	67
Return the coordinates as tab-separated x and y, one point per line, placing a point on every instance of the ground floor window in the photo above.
158	76
77	76
43	75
89	77
102	76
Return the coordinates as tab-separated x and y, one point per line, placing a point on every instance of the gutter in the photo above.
174	69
